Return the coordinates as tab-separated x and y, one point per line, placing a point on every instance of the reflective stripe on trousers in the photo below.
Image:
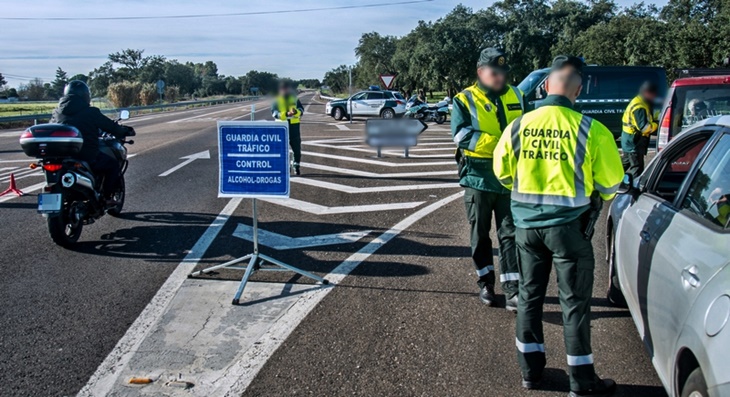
529	347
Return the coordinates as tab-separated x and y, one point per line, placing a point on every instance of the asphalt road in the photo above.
406	322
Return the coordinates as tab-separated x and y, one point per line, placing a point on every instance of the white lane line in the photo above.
7	170
376	162
16	161
28	174
374	189
188	159
240	375
209	114
366	174
102	381
341	127
27	190
18	174
317	209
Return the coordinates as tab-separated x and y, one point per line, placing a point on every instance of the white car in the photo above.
385	104
668	240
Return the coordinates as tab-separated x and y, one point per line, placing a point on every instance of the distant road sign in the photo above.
393	132
387	80
253	159
160	86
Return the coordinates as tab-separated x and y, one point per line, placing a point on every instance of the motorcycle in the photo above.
72	196
420	110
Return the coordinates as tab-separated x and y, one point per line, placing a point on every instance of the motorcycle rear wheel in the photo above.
119	198
63	232
440	119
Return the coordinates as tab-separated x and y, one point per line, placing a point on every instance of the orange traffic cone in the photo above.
12	188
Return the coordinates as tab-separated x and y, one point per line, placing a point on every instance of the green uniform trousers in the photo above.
295	141
479	208
538	249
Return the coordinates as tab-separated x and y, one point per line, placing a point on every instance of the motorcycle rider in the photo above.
74	109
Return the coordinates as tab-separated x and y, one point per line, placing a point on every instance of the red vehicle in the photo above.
693	99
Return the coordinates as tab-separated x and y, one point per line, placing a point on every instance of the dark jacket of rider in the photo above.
73	110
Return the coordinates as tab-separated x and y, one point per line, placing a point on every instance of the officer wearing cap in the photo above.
287	107
638	125
480	114
560	165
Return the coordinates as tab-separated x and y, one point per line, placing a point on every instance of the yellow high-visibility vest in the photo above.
557	156
484	121
630	126
287	104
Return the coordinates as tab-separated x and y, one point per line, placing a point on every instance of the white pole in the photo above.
350	94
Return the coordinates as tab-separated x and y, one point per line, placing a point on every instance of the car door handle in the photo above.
690	278
645	235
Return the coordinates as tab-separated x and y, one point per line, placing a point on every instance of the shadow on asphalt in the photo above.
19	205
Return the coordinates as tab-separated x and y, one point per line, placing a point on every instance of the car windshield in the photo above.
532	80
696	103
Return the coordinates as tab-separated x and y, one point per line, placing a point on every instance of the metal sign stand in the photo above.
256	260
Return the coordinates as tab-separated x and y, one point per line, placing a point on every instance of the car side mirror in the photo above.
124	115
627	184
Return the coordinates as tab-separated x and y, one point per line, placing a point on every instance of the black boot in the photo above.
511	304
297	170
602	388
487	294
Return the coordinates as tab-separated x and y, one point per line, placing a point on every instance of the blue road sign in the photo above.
253	159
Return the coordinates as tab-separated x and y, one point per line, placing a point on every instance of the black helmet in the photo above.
79	88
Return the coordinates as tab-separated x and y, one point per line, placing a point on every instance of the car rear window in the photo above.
375	95
398	95
696	103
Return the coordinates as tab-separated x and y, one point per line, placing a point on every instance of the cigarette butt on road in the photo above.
140	381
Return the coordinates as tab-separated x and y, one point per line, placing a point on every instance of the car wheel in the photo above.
338	114
387	113
695	385
614	295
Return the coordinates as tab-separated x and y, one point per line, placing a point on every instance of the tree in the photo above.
2	80
33	91
59	83
130	61
338	79
234	86
182	76
375	57
12	93
100	79
266	82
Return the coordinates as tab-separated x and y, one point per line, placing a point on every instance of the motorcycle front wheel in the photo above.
440	119
119	198
63	230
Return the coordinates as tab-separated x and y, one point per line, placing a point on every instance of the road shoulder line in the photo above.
105	376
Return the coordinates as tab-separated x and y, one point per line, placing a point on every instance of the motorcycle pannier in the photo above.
51	140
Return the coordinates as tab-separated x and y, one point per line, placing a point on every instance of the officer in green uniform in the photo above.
287	107
480	114
638	125
560	165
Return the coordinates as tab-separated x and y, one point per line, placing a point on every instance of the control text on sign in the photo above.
254	159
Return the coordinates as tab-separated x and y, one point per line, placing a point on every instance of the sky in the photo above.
296	45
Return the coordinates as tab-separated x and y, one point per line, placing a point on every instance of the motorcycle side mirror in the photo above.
124	115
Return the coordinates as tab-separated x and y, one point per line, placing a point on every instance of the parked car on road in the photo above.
376	103
668	245
607	90
690	100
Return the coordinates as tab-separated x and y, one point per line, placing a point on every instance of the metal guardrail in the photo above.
139	109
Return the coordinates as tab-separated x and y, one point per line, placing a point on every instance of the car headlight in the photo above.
717	315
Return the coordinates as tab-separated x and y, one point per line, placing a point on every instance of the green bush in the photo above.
148	94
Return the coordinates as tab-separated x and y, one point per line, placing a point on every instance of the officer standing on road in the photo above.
287	107
560	165
480	114
638	125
